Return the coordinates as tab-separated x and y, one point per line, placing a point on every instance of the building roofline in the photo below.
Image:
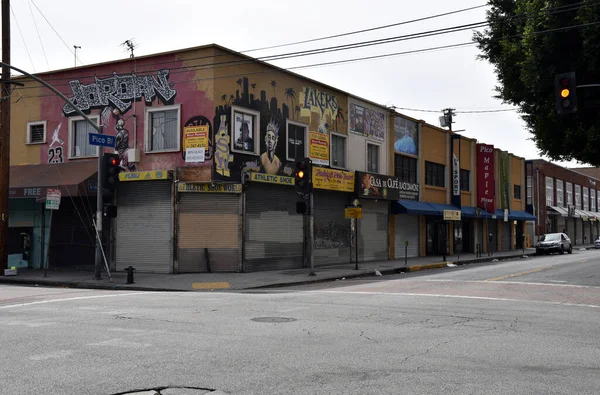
565	168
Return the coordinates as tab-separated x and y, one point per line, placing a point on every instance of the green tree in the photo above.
528	42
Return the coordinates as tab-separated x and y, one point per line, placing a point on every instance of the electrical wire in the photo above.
367	30
38	34
61	39
457	111
553	10
22	38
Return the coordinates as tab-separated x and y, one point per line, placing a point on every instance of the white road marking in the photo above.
454	297
120	343
557	281
518	282
72	299
52	355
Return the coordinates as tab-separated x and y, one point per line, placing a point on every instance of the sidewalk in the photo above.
239	281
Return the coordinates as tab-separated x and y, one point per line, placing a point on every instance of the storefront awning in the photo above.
515	215
579	213
558	210
471	212
420	208
32	181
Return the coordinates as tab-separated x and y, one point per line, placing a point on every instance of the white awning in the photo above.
559	211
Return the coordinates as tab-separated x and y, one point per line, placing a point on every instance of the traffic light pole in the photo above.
98	262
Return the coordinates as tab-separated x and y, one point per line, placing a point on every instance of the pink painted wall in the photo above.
194	103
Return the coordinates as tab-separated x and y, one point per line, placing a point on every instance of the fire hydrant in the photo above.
129	271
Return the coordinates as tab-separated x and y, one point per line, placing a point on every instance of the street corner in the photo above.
204	286
427	267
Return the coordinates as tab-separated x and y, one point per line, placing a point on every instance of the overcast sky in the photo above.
427	81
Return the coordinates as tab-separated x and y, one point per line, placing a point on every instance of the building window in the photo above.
586	199
593	200
405	168
434	174
530	190
372	158
464	180
79	129
162	129
36	132
244	131
338	151
569	187
549	191
296	140
578	196
517	191
560	201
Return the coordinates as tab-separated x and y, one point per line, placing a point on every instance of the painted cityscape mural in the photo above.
252	133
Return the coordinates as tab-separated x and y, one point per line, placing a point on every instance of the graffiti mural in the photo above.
367	122
56	147
260	143
331	235
122	137
120	92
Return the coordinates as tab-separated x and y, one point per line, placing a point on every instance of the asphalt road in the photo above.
526	326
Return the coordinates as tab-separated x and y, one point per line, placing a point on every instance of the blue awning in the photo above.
422	208
515	215
471	212
413	207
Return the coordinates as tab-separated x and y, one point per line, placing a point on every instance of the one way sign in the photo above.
102	140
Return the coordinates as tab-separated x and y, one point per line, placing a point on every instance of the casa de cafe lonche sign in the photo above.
378	186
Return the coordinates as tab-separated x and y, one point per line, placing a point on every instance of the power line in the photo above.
38	34
22	38
61	39
328	49
367	30
457	111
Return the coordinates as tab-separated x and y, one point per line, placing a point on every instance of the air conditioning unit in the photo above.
133	155
443	121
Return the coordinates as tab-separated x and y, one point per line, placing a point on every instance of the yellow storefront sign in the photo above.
272	179
451	215
209	188
353	212
333	180
144	175
195	137
318	148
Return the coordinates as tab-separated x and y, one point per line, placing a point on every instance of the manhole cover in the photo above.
273	319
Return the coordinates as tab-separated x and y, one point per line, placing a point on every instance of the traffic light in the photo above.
565	91
303	175
111	169
110	211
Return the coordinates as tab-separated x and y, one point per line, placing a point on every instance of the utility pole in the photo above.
4	135
76	47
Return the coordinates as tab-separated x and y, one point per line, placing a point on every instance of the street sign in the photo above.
53	199
353	212
102	140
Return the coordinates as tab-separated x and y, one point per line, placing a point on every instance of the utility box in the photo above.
133	155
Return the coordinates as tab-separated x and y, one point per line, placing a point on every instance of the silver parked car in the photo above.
554	242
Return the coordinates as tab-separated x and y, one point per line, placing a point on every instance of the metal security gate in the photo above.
480	235
579	231
571	229
506	235
373	231
586	232
144	226
273	238
493	229
332	229
209	227
406	228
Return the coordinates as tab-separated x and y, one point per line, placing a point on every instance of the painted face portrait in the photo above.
270	141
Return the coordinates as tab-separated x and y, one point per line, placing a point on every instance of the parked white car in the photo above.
597	242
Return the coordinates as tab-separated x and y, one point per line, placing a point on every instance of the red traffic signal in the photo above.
111	170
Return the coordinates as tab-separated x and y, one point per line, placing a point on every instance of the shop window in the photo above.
405	168
338	151
245	124
372	158
36	132
578	196
559	193
517	191
296	140
549	191
434	174
79	130
586	199
569	188
530	190
464	180
162	129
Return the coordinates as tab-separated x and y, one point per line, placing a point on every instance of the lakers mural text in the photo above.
120	91
323	103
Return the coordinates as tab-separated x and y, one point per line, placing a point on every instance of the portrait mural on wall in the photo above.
252	134
406	138
367	122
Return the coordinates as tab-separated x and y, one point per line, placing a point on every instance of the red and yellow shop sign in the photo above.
333	180
318	148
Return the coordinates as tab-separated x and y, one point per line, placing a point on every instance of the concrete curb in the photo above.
325	278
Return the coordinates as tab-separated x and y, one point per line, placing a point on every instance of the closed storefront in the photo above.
144	226
506	235
587	229
571	228
373	231
493	230
209	227
579	231
406	229
273	231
